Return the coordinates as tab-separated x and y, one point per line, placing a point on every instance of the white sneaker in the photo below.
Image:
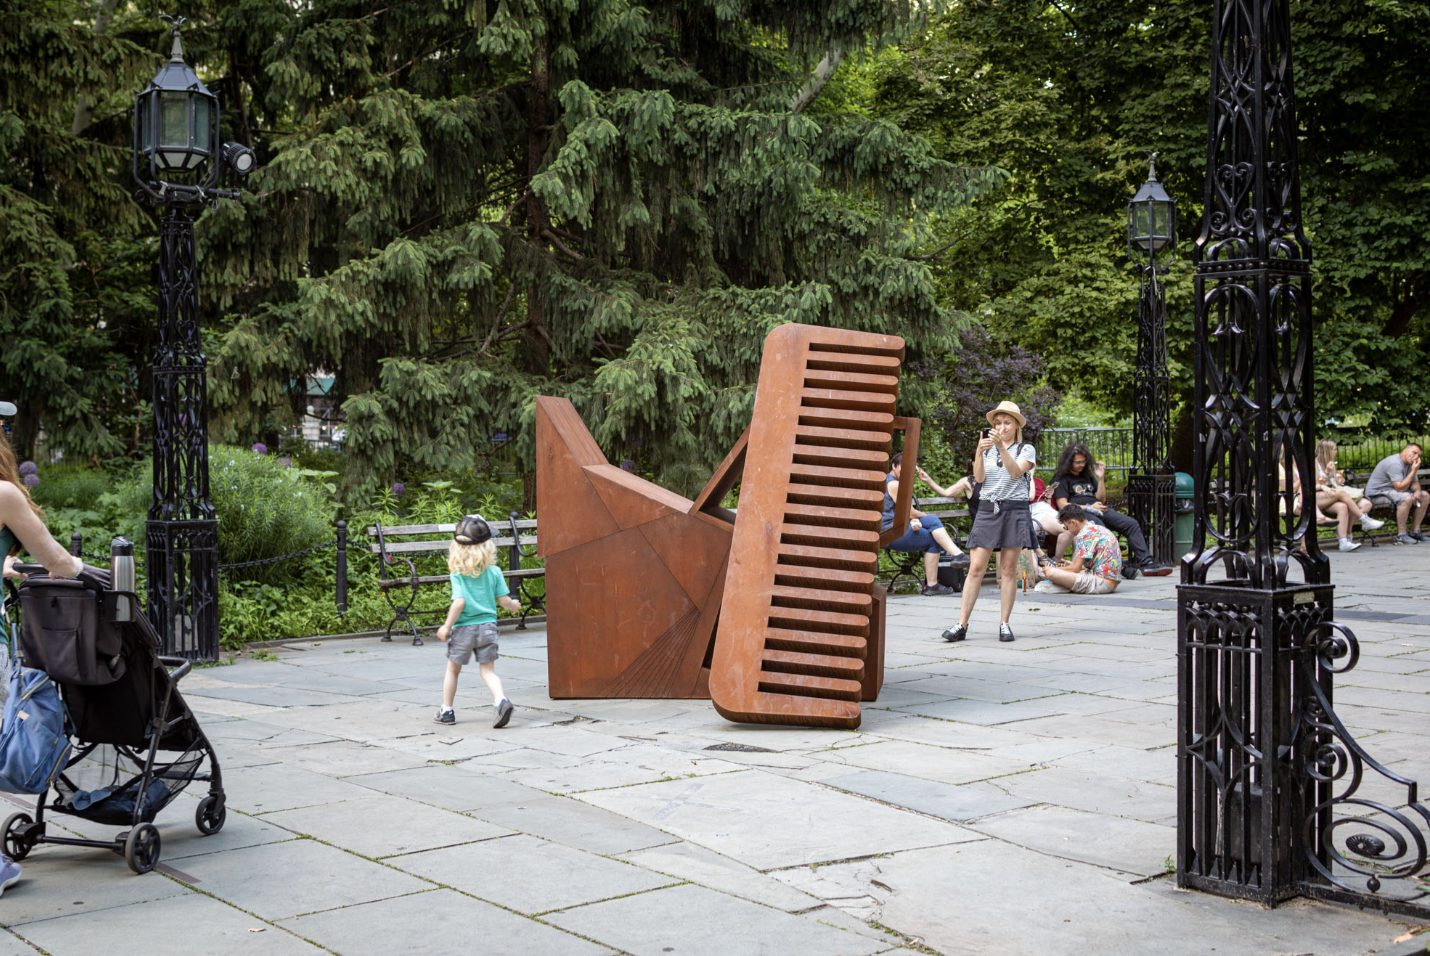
1371	524
1048	587
1347	545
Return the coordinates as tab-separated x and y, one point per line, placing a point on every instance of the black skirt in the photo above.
1001	524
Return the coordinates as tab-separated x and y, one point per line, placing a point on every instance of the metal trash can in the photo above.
1183	512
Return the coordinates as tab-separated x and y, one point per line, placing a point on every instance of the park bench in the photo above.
911	563
1357	479
396	543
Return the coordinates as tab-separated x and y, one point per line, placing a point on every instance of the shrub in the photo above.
264	510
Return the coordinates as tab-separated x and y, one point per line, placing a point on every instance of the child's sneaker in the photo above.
9	873
503	712
445	715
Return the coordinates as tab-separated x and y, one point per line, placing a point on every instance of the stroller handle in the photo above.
84	577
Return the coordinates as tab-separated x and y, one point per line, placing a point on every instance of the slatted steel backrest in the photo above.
799	599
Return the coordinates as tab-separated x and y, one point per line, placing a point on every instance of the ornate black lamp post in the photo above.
179	164
1151	491
1270	802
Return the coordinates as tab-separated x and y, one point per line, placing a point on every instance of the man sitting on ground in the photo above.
1097	557
1080	481
1393	483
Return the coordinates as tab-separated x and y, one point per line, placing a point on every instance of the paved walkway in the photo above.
999	799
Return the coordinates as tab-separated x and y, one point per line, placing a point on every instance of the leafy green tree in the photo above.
464	206
1068	97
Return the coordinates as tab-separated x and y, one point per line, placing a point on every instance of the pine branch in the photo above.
823	73
556	241
496	323
957	239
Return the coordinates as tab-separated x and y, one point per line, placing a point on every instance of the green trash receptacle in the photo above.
1183	511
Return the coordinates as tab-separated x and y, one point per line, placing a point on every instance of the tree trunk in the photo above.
1404	310
26	429
823	73
536	355
84	111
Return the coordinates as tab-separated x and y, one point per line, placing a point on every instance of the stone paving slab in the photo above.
1131	846
695	921
381	825
530	875
687	861
451	924
957	804
767	821
279	880
166	927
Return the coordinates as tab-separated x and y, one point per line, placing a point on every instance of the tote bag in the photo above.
34	739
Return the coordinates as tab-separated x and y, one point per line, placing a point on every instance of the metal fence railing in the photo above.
1107	444
1365	454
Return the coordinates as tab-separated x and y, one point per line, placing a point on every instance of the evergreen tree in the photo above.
74	272
464	206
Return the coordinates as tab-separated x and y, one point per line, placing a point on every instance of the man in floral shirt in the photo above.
1097	558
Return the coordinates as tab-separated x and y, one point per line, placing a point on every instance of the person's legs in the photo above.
449	684
1422	499
931	567
977	565
1402	511
945	540
1342	513
1062	577
493	682
1127	526
1007	580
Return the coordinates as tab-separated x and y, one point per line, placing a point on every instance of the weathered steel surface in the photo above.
634	573
798	617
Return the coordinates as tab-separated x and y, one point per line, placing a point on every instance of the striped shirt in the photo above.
998	485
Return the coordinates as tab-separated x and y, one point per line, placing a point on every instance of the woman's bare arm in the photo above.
16	515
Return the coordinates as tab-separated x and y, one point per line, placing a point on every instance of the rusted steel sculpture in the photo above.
634	573
638	576
800	622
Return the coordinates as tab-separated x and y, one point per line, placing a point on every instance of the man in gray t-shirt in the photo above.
1394	483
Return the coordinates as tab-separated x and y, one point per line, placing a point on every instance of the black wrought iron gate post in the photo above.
181	532
1269	781
1151	490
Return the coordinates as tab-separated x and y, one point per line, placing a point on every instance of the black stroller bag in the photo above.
65	633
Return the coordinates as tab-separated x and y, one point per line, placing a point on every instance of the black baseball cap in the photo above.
472	529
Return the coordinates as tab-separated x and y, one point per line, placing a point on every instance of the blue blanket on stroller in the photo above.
121	800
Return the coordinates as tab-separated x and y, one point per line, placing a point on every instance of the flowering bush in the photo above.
398	489
260	448
28	468
978	375
30	479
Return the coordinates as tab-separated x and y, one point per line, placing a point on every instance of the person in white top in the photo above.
1333	498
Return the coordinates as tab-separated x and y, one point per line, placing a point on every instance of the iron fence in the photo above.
1107	444
1363	454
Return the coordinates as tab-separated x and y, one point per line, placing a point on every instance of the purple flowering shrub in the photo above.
30	479
978	375
260	448
28	468
398	489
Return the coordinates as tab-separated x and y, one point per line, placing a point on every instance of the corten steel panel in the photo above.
793	646
634	573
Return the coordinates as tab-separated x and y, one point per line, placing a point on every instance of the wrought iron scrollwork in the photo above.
1356	844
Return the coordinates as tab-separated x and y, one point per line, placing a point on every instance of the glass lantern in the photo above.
1151	218
175	119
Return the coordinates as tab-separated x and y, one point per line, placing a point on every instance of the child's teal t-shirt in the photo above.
480	592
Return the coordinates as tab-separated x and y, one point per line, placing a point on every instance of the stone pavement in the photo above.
999	799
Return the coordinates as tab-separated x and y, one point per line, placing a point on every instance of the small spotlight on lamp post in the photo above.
180	165
1152	231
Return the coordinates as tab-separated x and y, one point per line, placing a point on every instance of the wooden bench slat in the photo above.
444	578
415	547
526	524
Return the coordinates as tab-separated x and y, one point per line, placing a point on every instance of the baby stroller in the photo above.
128	718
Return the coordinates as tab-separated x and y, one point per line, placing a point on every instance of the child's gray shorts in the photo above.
472	639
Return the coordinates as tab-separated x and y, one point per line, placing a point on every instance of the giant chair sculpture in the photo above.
773	611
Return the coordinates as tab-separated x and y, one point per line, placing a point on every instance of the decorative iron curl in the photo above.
1332	642
1368	855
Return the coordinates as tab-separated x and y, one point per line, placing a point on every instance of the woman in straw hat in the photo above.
1003	464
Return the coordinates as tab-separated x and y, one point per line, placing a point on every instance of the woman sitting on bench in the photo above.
925	533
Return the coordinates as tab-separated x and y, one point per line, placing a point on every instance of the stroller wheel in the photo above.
141	848
210	815
16	846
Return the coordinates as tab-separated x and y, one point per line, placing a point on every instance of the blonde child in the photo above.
471	626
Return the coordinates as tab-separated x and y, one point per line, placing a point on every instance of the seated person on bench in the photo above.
1393	483
1097	558
925	533
1079	480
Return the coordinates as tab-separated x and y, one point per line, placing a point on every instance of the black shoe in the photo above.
503	711
955	634
1152	569
930	589
1005	633
960	560
1129	572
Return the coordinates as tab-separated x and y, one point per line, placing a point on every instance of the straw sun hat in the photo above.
1008	408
